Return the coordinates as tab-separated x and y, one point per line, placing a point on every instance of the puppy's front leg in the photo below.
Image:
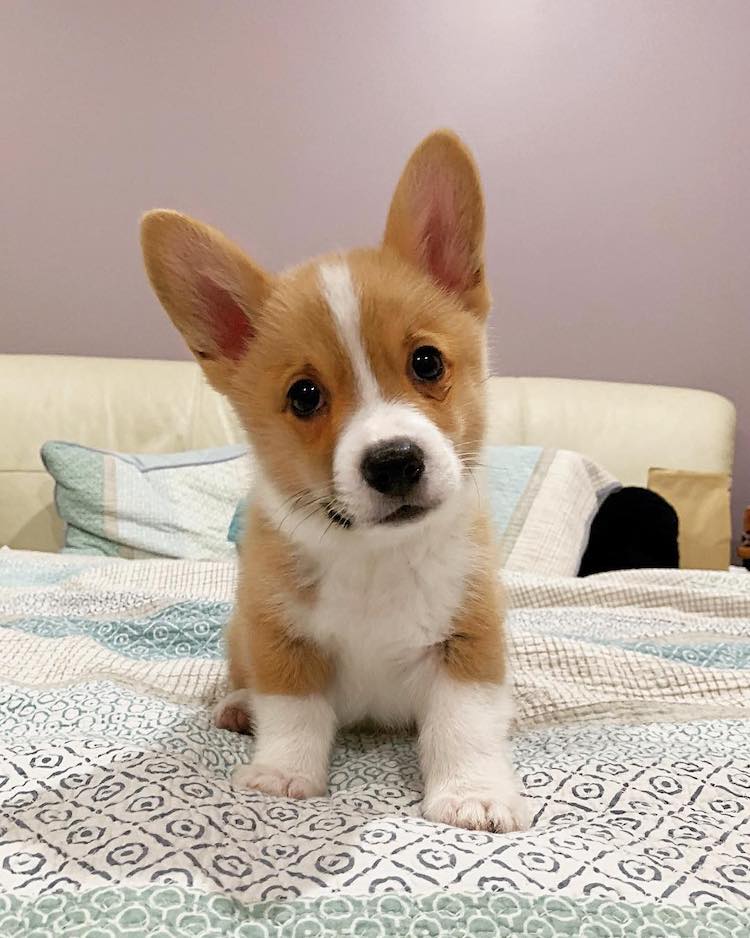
468	776
293	721
293	744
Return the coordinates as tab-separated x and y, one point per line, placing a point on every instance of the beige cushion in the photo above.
159	406
701	500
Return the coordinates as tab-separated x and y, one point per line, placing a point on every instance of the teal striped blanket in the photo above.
117	816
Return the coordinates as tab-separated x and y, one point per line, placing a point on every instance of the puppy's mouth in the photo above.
404	514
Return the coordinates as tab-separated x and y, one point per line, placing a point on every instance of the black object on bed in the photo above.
634	528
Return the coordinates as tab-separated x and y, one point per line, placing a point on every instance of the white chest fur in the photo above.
381	610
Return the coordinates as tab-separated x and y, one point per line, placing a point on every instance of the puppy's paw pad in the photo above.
230	714
271	781
480	812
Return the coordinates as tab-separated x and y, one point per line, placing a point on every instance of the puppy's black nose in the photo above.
393	467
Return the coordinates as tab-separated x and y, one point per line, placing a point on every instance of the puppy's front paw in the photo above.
271	781
478	811
233	713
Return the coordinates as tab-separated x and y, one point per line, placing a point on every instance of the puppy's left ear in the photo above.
436	219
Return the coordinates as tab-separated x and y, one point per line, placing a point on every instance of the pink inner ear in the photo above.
442	243
228	324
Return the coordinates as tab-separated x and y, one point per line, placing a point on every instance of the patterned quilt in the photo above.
117	817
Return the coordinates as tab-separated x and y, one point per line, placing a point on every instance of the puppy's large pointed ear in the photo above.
211	290
436	219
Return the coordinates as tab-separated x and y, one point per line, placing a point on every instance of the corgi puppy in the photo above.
368	587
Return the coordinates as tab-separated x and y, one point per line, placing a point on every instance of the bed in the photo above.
632	734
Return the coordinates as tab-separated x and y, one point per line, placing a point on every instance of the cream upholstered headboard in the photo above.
160	406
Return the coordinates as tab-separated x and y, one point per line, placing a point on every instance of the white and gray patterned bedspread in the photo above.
117	816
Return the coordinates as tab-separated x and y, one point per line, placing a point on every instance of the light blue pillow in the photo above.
237	524
155	505
542	502
509	470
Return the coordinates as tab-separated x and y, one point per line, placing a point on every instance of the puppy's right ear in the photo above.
211	290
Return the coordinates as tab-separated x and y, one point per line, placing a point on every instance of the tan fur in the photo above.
298	339
476	650
294	336
263	653
402	309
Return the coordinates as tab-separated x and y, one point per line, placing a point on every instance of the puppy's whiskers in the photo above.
318	504
302	500
476	486
338	514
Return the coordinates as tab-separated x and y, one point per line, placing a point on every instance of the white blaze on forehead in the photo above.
338	291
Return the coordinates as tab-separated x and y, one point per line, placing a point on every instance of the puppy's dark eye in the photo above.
427	363
305	397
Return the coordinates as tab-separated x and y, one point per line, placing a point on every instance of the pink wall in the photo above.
613	135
